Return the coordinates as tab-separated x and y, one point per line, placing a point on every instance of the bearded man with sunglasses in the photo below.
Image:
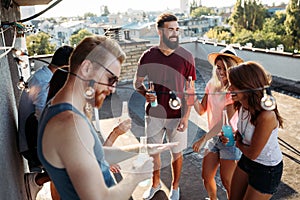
168	66
68	144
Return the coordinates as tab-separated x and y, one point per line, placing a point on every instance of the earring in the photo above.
89	92
268	102
88	110
174	102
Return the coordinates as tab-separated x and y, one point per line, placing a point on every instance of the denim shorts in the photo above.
264	179
227	153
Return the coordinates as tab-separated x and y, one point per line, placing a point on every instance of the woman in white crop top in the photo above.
260	168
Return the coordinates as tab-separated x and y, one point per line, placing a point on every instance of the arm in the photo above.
201	107
139	85
39	98
215	130
141	88
117	154
122	128
183	124
266	123
218	127
74	151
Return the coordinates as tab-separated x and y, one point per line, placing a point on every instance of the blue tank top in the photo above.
59	175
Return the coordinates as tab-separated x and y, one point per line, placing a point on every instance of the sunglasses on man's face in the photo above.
112	80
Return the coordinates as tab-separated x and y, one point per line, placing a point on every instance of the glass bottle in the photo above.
227	130
143	153
152	91
125	113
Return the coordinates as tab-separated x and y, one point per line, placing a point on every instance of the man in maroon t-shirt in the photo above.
168	66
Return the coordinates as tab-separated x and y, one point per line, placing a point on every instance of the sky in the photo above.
70	8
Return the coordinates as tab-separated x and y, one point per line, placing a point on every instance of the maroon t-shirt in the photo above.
168	73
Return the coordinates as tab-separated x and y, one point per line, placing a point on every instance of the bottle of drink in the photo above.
227	130
143	153
152	91
125	113
124	116
190	91
141	158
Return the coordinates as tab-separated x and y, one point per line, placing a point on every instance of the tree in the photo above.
39	44
197	12
193	6
243	37
106	11
236	19
248	14
89	14
292	22
219	33
77	37
271	25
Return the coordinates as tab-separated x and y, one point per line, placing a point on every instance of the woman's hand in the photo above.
199	144
223	139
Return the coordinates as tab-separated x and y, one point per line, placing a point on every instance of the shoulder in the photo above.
42	75
67	121
149	54
68	129
268	117
184	52
151	50
65	138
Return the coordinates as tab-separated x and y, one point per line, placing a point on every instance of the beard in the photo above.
170	44
100	97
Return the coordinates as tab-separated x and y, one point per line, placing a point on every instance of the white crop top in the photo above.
271	154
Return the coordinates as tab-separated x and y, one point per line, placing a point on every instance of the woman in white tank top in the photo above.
259	170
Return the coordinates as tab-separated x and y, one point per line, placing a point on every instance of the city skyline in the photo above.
68	8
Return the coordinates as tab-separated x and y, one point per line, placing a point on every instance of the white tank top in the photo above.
271	154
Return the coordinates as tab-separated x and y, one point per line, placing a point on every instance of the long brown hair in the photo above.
250	76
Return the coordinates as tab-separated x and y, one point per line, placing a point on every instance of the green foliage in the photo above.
250	15
273	25
266	40
292	22
77	37
197	12
89	14
39	44
219	33
243	36
250	24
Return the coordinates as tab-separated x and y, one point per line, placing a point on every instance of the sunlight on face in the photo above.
170	34
106	76
221	72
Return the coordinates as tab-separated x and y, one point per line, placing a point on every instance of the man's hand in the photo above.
183	124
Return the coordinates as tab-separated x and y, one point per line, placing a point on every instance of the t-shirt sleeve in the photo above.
191	68
141	69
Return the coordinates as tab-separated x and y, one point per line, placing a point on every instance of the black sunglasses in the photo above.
112	80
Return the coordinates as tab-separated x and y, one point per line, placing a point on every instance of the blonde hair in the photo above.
228	63
96	48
